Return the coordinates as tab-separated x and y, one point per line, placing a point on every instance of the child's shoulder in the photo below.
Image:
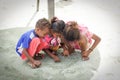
83	27
29	33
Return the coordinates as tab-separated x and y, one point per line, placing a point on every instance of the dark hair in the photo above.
71	33
42	23
57	25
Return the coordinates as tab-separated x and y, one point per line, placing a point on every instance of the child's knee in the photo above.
36	39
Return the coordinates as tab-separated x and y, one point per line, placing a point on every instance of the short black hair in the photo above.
42	23
57	25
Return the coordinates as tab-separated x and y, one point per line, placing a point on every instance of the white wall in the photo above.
16	13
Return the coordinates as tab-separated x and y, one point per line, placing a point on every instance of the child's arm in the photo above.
55	57
34	62
96	42
67	49
96	39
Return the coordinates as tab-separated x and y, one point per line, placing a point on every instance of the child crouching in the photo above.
32	42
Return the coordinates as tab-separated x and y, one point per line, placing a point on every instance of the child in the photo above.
58	26
79	37
54	39
33	41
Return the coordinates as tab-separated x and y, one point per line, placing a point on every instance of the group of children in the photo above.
50	36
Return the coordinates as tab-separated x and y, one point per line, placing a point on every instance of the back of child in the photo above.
83	30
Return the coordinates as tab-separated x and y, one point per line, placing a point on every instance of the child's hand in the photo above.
85	53
36	63
66	53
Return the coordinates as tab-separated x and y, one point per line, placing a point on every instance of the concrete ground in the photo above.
101	17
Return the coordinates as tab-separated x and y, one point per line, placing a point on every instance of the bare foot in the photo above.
39	56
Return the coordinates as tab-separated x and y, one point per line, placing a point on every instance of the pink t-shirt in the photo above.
51	41
84	30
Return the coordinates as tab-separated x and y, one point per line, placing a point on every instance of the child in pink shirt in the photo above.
80	38
54	39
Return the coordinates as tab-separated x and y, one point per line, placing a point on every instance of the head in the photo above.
72	24
72	33
42	27
57	26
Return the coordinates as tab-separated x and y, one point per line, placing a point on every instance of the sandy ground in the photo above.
101	17
69	68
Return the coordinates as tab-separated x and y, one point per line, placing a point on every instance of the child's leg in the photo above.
32	47
35	46
38	56
55	57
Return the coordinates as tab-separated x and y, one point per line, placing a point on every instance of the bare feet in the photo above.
38	56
